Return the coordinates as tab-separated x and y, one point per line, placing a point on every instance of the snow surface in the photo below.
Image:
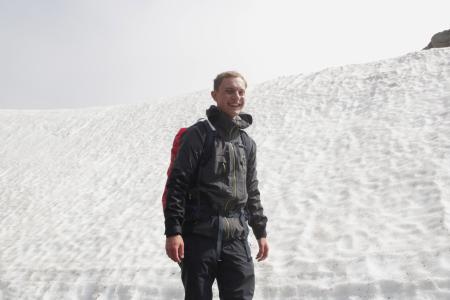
354	173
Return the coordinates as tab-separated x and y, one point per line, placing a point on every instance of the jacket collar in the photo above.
225	125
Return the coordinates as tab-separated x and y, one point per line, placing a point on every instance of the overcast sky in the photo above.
82	53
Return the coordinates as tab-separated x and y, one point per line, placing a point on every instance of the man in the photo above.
212	193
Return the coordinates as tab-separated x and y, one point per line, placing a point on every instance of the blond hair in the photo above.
228	74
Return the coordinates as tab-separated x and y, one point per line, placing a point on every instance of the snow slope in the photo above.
354	172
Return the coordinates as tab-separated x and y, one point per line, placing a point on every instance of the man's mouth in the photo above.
234	105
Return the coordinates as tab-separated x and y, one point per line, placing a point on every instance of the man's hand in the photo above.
175	248
263	249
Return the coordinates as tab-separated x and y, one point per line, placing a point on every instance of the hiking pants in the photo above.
200	267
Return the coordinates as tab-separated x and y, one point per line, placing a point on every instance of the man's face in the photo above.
230	96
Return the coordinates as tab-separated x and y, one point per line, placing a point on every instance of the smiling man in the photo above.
212	197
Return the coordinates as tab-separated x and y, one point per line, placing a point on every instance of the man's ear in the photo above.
213	95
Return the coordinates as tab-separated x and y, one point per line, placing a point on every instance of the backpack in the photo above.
207	151
205	156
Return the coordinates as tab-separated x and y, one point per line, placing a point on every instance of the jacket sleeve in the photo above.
181	179
257	219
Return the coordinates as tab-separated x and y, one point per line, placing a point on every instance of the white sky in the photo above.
81	53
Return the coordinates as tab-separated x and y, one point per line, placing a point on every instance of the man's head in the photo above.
229	92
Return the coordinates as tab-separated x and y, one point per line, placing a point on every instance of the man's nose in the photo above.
236	95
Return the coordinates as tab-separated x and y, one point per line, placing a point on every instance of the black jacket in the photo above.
225	186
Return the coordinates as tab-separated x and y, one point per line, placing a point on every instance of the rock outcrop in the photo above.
439	40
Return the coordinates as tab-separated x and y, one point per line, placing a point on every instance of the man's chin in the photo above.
235	111
231	112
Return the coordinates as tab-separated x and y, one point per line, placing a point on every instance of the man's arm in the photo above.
257	219
178	184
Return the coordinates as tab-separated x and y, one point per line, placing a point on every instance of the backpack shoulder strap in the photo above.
208	145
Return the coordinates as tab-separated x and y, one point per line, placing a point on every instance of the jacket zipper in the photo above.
233	177
234	181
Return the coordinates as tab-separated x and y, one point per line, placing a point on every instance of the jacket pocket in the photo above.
242	158
220	167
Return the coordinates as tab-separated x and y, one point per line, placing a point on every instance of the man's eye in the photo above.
241	93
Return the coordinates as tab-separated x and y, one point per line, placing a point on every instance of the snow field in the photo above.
353	165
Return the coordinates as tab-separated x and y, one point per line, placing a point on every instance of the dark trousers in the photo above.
200	267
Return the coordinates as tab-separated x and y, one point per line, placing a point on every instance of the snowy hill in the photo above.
354	175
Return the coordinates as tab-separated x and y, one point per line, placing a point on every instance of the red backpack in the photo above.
206	154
